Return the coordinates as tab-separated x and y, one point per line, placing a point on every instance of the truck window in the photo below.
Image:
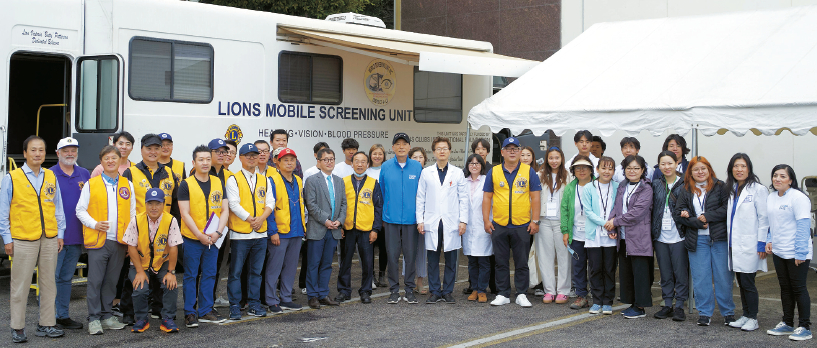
309	78
171	71
97	91
437	97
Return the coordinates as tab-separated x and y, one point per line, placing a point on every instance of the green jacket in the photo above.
568	210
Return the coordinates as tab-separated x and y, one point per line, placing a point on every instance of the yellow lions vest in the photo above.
177	167
98	209
32	213
360	206
141	184
201	207
154	252
282	215
511	198
252	201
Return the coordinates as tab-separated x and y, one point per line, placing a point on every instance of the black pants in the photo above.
304	263
383	261
513	241
492	276
673	264
602	274
635	273
356	240
748	294
793	290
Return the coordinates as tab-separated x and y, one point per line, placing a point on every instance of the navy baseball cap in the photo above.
510	141
165	136
247	148
216	144
399	136
154	194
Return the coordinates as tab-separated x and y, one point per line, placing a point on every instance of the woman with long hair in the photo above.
668	239
527	156
476	244
630	222
701	211
572	225
788	210
548	242
747	227
377	155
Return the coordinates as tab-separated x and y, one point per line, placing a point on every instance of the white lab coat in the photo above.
749	226
475	241
448	202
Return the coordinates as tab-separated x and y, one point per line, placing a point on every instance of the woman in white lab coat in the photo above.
747	227
476	244
442	216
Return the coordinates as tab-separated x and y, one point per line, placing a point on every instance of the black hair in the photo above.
200	148
29	139
790	172
579	158
638	159
583	133
325	150
262	142
730	177
108	149
605	159
482	171
320	145
349	143
667	153
678	140
481	141
597	139
125	134
149	136
278	131
361	153
631	140
231	142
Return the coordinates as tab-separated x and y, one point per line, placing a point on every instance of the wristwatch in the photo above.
173	272
535	221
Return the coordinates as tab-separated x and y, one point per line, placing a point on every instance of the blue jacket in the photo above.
399	188
593	207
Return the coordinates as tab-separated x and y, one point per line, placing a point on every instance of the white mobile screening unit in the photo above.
90	68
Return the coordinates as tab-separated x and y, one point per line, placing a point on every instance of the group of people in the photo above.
595	216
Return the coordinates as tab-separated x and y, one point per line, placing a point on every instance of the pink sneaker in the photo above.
561	298
548	298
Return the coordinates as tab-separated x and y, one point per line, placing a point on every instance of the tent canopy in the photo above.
738	72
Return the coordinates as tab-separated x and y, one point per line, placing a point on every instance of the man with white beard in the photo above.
71	178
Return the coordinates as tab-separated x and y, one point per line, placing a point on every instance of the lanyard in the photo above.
734	208
580	199
603	200
669	191
630	194
701	202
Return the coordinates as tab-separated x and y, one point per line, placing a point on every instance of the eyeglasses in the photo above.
512	149
441	149
221	153
633	169
263	152
474	164
327	160
231	153
254	156
700	170
167	146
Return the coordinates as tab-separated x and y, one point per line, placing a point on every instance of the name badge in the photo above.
666	220
748	199
579	225
552	210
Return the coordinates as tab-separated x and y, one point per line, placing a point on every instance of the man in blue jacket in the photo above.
399	178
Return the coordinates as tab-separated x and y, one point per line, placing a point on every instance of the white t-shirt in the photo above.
602	240
579	233
343	170
699	202
783	213
669	236
310	172
373	172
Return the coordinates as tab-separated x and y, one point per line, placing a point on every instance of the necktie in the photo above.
331	193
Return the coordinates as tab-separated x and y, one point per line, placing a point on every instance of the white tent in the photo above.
749	71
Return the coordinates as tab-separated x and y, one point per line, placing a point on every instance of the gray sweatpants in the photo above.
140	296
401	238
673	264
104	265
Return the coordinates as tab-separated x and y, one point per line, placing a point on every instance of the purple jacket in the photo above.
637	220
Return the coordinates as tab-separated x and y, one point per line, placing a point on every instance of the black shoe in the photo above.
314	303
467	291
728	319
394	298
49	331
18	336
68	323
664	313
449	299
326	301
191	321
410	298
128	320
704	320
432	299
366	298
678	314
342	297
383	282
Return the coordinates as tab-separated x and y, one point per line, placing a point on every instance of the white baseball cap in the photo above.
69	141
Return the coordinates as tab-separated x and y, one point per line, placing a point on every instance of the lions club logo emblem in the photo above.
521	183
166	186
50	189
234	133
124	192
379	80
216	197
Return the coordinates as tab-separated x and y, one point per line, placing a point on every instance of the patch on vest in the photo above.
216	198
144	184
167	186
50	190
124	192
261	193
367	196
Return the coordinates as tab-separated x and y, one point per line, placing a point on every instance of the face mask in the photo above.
360	175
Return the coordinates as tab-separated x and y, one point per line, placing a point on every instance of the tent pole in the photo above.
467	142
694	152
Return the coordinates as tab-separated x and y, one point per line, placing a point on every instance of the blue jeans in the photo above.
198	255
579	268
708	263
479	271
450	272
66	266
319	268
252	252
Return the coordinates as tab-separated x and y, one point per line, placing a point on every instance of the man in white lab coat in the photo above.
442	215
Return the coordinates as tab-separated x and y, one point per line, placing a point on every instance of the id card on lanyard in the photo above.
666	220
552	208
579	223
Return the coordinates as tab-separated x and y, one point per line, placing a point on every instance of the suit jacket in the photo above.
316	194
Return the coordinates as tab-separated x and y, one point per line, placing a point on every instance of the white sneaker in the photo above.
539	292
95	327
522	300
221	302
750	325
374	286
112	323
501	300
572	293
303	291
740	322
